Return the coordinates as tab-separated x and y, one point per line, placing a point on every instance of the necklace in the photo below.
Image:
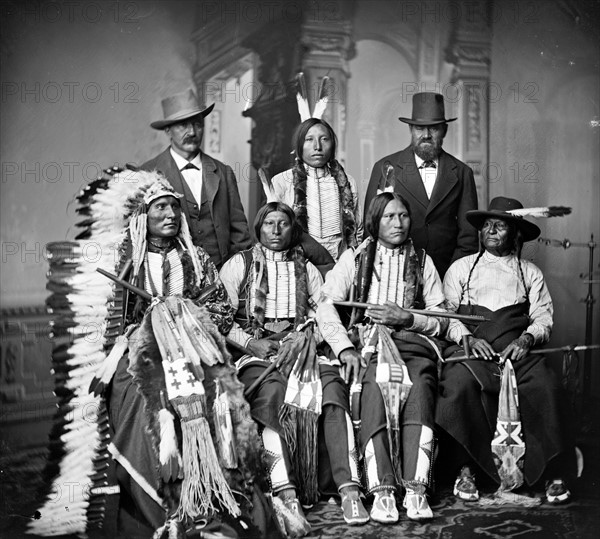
160	247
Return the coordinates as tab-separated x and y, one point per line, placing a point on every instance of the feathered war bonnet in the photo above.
151	186
82	302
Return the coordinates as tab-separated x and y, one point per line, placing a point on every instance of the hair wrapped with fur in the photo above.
337	171
364	263
259	273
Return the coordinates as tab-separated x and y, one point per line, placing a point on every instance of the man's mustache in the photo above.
189	139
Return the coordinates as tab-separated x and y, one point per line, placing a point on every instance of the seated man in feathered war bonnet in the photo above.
186	450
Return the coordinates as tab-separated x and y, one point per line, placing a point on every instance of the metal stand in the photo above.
589	309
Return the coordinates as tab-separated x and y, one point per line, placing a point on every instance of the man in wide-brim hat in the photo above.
512	293
439	187
211	200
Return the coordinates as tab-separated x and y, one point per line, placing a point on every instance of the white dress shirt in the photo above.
193	177
428	174
495	283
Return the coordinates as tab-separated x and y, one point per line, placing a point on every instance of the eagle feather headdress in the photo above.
86	321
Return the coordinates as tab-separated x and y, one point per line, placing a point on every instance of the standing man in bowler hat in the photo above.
211	202
439	188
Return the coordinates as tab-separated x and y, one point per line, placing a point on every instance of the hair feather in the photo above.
302	98
544	211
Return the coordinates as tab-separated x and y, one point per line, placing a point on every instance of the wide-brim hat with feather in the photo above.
427	109
511	210
180	107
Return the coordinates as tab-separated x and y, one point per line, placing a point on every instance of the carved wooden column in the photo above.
470	52
328	46
275	112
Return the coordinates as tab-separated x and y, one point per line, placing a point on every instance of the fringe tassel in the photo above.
203	475
300	432
502	497
306	455
287	420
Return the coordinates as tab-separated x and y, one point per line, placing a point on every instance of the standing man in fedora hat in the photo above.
439	188
211	202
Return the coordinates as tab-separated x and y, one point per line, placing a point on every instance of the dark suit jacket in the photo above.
223	198
438	225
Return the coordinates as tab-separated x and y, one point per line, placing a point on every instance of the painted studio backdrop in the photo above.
82	80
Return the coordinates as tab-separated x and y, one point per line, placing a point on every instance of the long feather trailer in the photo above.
84	330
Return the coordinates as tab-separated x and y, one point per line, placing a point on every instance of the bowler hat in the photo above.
427	109
500	208
180	107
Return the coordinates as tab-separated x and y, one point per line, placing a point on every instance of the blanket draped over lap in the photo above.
478	384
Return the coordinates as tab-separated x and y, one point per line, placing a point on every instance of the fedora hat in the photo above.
427	109
180	107
501	208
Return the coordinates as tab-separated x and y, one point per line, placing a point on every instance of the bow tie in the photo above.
428	164
190	166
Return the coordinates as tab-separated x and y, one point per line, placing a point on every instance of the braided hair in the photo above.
365	264
295	253
515	236
338	173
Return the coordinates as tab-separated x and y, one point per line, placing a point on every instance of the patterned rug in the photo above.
580	519
456	519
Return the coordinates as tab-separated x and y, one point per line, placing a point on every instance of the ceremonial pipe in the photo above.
440	314
136	290
541	351
145	295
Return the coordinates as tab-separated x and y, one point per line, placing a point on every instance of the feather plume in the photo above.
108	367
267	186
321	103
80	306
547	211
302	98
171	466
387	177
